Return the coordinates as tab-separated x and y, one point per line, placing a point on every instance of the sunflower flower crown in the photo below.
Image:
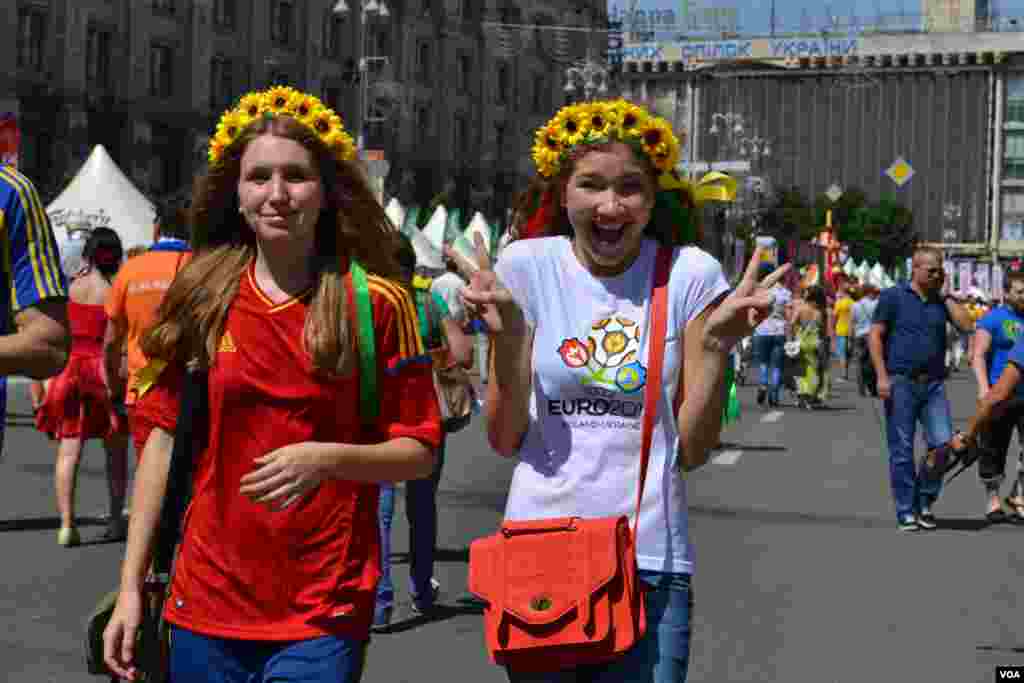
604	121
283	101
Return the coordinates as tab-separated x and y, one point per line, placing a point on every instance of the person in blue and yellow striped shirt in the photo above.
34	336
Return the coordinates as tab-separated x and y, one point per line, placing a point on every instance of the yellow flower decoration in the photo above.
251	105
277	99
604	121
307	108
282	101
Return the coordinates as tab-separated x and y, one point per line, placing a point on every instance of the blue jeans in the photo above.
770	351
842	348
196	658
421	512
662	656
910	403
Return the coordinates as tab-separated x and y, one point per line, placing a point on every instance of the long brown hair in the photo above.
352	225
551	190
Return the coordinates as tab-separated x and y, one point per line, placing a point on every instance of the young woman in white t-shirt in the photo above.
568	314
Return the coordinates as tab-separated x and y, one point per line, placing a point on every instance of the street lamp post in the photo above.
368	9
587	77
731	127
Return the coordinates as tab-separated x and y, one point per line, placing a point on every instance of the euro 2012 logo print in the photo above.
609	355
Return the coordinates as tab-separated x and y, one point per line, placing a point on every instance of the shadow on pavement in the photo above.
440	555
440	613
845	521
965	524
45	523
1018	649
728	445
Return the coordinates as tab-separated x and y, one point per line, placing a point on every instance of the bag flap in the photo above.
551	567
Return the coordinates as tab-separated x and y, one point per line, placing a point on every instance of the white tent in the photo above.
395	212
434	230
101	194
478	225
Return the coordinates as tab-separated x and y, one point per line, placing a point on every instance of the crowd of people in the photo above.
257	281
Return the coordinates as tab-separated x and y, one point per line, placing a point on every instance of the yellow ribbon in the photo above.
712	187
420	282
147	377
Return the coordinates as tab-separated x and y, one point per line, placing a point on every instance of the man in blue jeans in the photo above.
908	350
439	331
770	342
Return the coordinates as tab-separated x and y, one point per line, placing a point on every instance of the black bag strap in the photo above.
190	436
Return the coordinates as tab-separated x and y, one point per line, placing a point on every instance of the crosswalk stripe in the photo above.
729	457
773	416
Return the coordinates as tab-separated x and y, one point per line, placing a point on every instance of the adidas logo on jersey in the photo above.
227	345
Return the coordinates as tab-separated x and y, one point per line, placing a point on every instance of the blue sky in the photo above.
753	15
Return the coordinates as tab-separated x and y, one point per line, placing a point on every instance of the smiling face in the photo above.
609	198
280	192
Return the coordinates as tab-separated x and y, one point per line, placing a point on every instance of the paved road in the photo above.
802	575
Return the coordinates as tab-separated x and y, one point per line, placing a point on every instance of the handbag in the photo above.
455	394
565	592
152	643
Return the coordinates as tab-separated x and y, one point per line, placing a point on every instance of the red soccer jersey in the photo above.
245	572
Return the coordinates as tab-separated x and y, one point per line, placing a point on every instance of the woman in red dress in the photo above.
77	405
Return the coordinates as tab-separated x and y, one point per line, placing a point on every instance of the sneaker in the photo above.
435	590
381	619
762	394
68	537
926	520
908	524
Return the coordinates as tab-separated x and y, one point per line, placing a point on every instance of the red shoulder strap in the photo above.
655	363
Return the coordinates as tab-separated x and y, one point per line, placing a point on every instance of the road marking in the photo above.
727	457
773	416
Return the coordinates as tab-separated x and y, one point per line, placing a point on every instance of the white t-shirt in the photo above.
580	456
447	287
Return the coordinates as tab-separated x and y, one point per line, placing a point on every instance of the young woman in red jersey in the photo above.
75	405
276	573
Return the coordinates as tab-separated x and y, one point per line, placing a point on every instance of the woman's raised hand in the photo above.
486	298
744	309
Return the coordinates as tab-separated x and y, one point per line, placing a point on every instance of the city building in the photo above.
442	89
955	15
935	119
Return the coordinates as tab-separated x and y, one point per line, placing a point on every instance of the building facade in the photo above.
816	113
446	89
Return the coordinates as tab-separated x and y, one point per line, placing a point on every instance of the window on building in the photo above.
499	140
164	6
332	96
1015	102
501	94
423	61
170	155
1013	160
282	14
224	13
539	104
222	86
464	73
31	37
422	120
461	134
97	57
334	30
161	70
